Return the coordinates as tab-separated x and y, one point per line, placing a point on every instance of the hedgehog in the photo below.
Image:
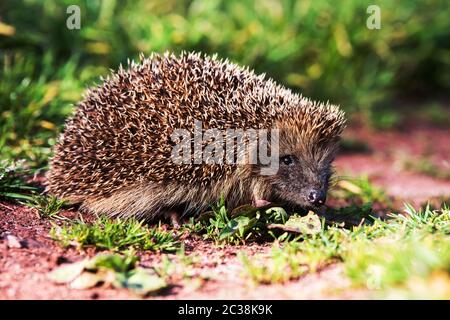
115	155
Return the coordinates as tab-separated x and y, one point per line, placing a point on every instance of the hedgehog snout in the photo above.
317	197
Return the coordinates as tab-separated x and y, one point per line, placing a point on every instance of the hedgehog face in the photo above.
307	146
304	173
302	182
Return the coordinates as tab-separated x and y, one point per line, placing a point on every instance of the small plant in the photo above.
110	270
376	256
424	220
192	226
386	263
12	185
243	223
250	223
177	267
284	264
115	235
46	206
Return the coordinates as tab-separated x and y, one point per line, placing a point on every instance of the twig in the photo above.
5	206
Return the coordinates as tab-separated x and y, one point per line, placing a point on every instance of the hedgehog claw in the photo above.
258	203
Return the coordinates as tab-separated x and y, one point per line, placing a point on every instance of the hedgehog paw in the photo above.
258	203
174	219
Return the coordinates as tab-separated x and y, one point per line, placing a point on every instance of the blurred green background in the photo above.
321	48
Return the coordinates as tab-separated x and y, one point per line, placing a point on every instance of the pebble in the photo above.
13	241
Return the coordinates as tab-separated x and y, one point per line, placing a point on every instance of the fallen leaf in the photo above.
309	224
238	225
277	214
67	272
108	269
87	280
111	261
143	281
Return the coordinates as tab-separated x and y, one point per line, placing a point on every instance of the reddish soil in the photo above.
24	266
216	273
383	162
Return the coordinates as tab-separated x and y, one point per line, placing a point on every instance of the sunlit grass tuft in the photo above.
115	234
381	256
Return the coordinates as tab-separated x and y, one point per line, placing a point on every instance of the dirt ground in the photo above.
24	266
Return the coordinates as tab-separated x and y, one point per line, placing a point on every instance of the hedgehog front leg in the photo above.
174	219
260	194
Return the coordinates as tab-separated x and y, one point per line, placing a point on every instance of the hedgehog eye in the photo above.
288	160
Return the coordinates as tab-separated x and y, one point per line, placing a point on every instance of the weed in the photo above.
389	262
284	264
380	255
12	184
424	220
109	269
46	206
242	224
248	223
192	226
177	267
115	234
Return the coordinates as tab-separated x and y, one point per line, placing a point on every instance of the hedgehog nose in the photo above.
317	197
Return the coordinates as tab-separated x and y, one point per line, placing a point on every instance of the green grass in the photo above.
179	267
284	264
382	256
245	223
35	98
12	184
290	259
387	262
115	234
46	206
248	224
